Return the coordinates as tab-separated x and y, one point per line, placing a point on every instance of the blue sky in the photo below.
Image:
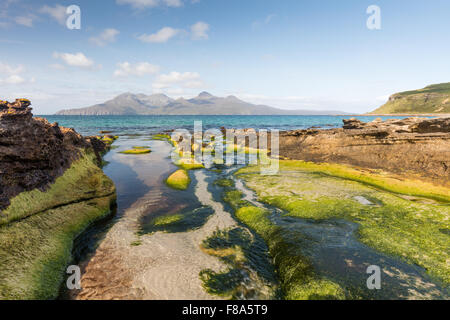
292	54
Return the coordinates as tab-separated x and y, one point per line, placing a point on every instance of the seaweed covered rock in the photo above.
34	152
179	180
416	146
51	189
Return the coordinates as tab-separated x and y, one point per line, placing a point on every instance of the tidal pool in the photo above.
203	243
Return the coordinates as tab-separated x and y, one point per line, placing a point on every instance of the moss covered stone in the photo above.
84	180
35	250
179	180
137	150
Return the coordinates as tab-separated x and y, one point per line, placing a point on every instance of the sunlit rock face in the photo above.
408	146
34	152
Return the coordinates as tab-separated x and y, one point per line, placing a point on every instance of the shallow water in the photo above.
131	258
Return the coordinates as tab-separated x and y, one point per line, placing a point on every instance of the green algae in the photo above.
166	220
189	164
224	182
298	279
84	180
234	199
162	137
388	223
136	243
179	180
378	179
249	275
184	221
138	150
35	250
109	140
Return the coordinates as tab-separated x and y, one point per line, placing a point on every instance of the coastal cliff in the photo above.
433	99
52	189
408	147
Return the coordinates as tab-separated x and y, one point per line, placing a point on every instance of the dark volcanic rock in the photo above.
34	152
413	145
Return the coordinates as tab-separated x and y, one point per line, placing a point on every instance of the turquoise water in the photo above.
90	125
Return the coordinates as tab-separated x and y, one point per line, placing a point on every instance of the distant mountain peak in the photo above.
233	98
159	95
205	95
160	104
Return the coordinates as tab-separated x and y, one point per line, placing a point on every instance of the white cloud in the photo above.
161	36
26	21
74	59
58	13
8	69
107	36
142	4
140	69
13	79
190	80
200	30
173	3
13	74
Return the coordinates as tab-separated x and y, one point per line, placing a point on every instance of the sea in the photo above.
142	124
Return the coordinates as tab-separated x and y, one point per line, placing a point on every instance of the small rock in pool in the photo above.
136	151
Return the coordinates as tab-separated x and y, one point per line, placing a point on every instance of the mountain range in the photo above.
204	104
431	99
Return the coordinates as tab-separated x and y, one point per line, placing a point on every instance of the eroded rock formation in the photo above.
408	146
34	152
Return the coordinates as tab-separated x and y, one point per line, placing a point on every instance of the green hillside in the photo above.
431	99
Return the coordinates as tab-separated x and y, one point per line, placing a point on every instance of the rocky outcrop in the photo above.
408	146
51	190
34	152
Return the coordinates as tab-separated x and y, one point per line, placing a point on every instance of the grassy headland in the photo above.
431	99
